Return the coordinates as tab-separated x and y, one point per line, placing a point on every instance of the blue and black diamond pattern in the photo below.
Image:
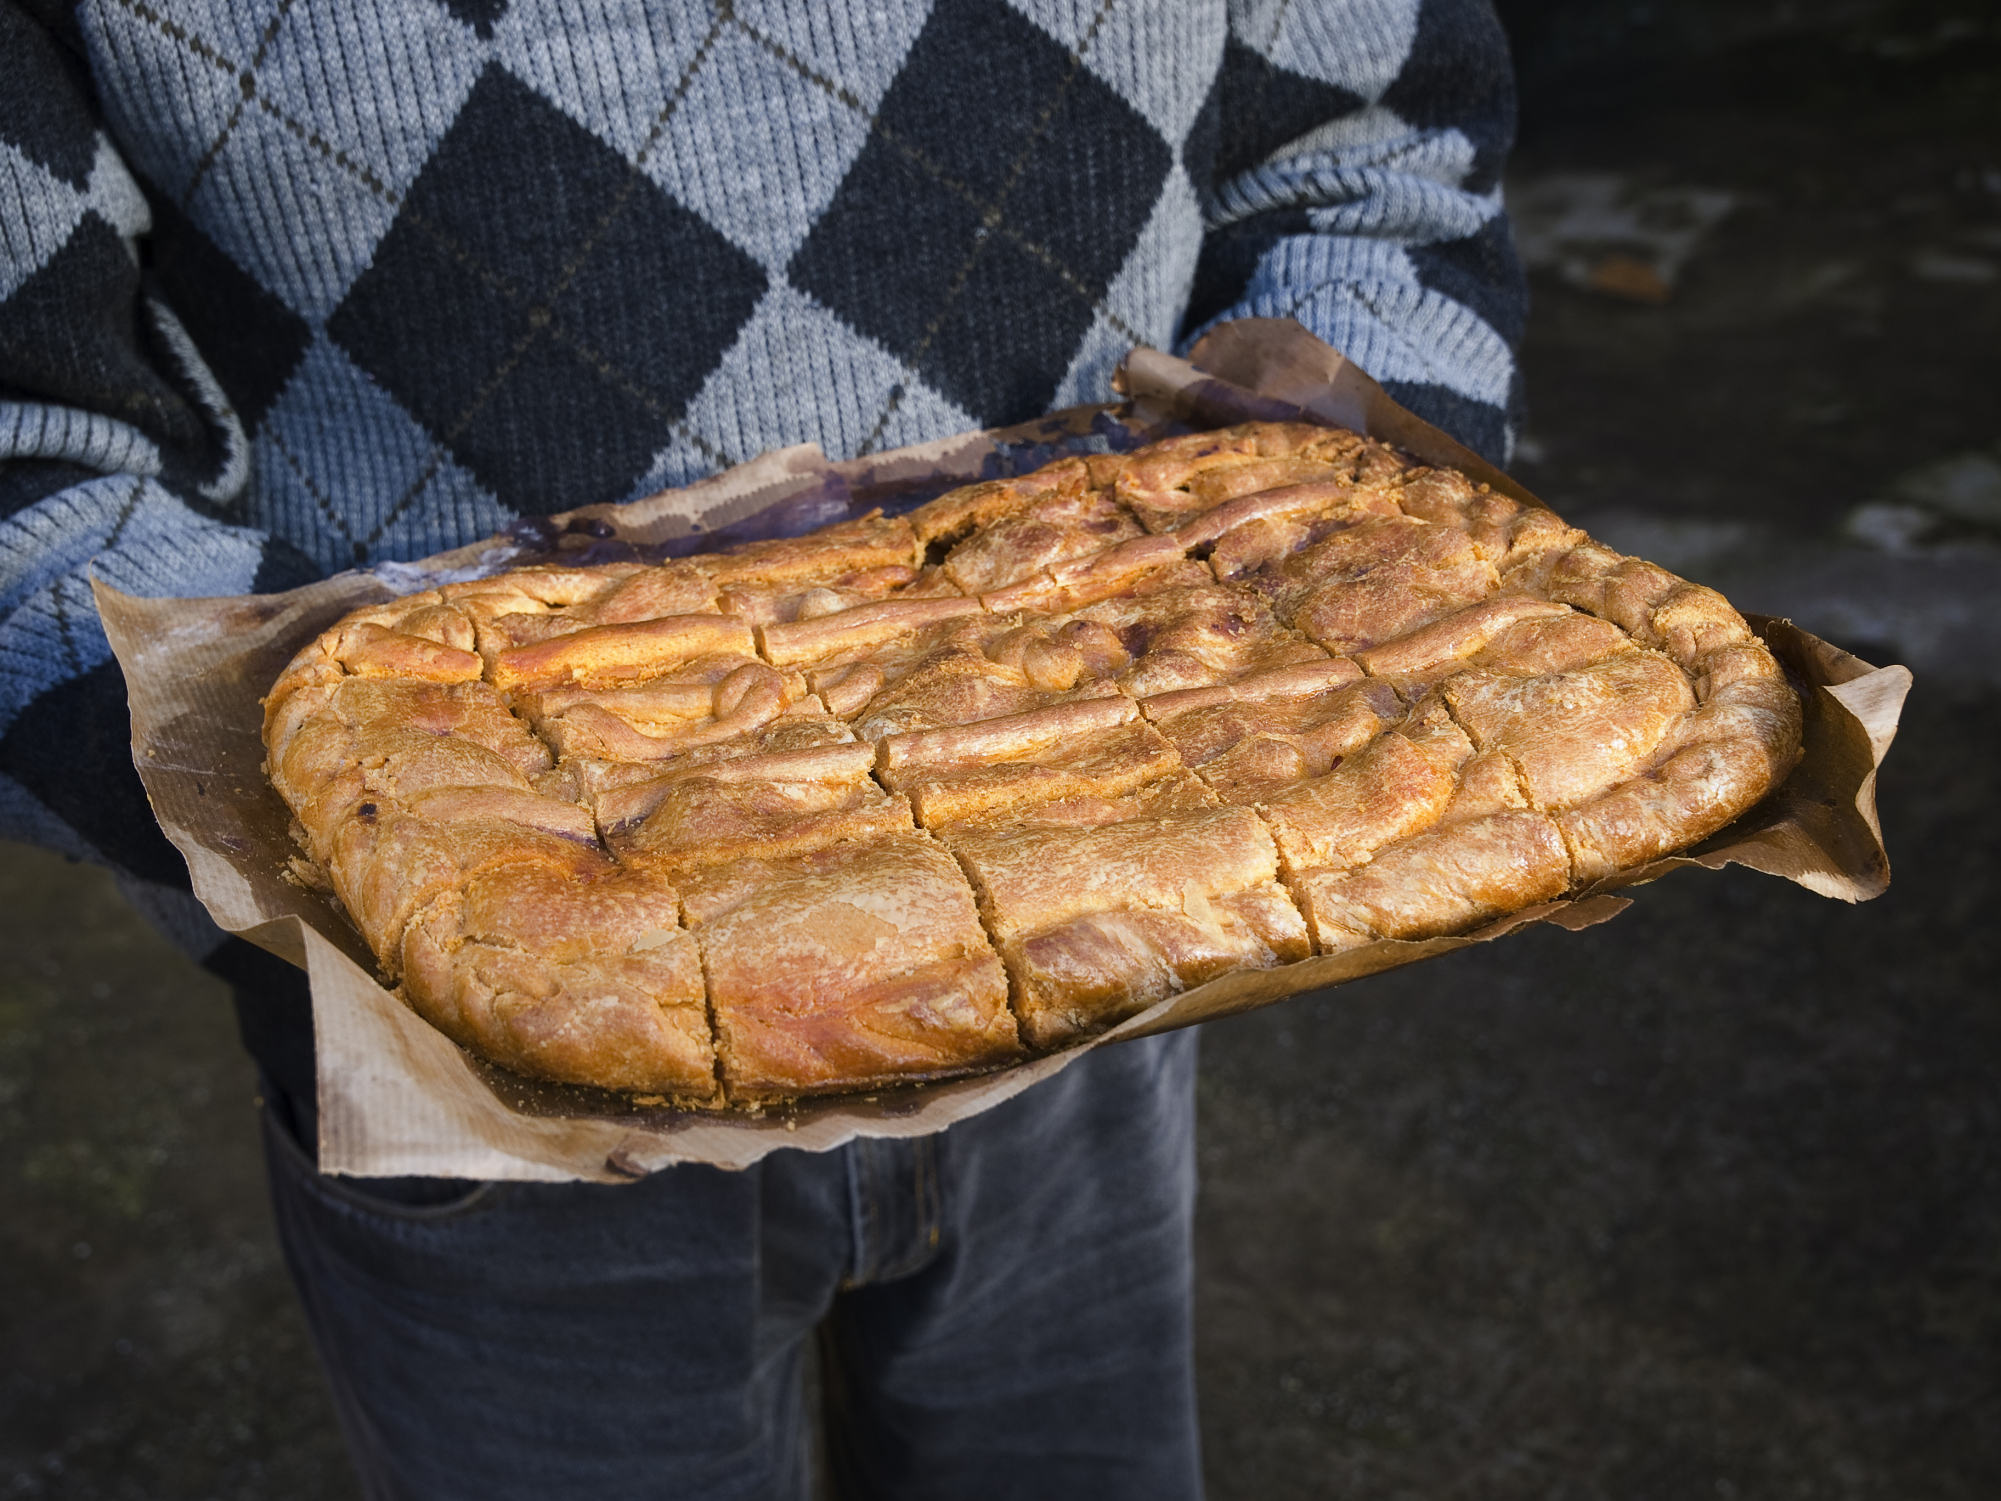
972	239
487	274
978	228
1255	107
500	307
250	338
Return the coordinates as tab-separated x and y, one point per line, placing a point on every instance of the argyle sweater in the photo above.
291	286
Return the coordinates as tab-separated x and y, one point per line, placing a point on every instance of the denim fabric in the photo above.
1002	1310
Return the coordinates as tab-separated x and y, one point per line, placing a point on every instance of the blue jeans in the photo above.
1001	1310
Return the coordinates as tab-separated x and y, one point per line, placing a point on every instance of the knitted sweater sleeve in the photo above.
119	456
1355	151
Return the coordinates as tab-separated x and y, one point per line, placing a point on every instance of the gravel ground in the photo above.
1701	1202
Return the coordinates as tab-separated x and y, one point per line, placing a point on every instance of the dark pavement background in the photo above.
1704	1202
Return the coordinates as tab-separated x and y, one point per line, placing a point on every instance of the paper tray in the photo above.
397	1097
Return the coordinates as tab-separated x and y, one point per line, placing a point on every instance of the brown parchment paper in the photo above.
396	1097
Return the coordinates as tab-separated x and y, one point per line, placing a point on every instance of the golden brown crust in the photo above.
1098	923
846	549
887	801
954	515
1251	749
630	652
855	965
760	805
1574	734
1090	748
580	976
1388	791
1442	881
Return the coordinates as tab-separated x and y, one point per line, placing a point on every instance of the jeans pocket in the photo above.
413	1199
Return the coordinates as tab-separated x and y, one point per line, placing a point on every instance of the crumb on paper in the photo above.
304	873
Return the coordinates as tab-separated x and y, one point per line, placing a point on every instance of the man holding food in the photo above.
288	288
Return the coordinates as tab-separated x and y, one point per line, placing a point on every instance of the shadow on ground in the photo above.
1700	1203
